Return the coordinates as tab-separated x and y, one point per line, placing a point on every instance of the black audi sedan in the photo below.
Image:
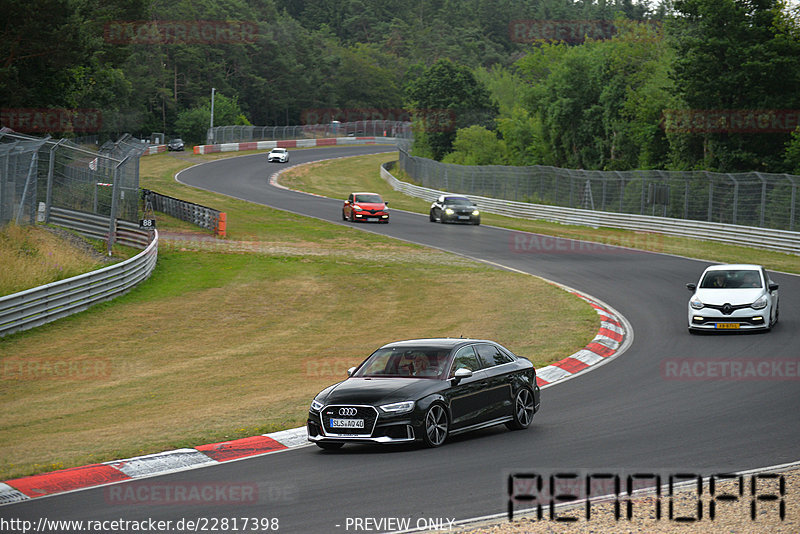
454	208
425	390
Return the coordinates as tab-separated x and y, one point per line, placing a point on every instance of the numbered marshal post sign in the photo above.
147	224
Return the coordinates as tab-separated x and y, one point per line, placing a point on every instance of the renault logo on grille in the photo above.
727	309
348	411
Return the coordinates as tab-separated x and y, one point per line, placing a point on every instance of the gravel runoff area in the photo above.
731	516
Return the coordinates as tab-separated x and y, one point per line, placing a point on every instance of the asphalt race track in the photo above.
630	414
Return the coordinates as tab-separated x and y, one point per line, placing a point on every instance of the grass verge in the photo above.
32	256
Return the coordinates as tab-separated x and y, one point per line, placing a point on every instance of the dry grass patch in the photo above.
32	256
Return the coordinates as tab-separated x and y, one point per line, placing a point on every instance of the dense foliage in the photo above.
598	95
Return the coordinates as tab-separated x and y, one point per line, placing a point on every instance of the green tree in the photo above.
476	145
735	55
192	124
599	103
444	98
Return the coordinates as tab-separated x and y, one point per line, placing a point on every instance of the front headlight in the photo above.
398	407
696	304
449	211
760	304
357	207
476	213
316	405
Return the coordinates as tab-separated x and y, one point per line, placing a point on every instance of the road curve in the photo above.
626	415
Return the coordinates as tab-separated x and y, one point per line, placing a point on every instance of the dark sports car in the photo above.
426	390
454	208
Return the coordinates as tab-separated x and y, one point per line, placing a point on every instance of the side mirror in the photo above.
773	286
351	371
386	202
461	374
691	287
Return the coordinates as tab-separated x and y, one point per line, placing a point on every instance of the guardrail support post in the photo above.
48	202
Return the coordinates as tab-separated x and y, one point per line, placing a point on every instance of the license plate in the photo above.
347	423
728	326
372	219
463	217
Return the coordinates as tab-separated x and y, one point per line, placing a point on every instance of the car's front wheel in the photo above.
329	446
431	217
436	426
524	408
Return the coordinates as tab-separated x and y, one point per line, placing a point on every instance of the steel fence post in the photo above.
112	220
735	213
21	208
763	198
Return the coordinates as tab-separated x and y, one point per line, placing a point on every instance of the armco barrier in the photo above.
96	227
196	214
294	143
766	238
44	304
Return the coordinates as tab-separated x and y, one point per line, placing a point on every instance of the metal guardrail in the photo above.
44	304
96	227
766	238
196	214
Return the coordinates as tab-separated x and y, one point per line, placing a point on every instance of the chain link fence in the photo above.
59	173
370	128
749	199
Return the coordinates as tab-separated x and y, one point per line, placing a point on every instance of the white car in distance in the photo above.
281	155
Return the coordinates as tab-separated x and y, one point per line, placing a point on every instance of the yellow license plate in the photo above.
728	326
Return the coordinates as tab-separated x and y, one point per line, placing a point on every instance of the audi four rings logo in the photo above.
347	411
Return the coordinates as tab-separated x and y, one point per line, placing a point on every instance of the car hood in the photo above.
730	296
371	205
378	390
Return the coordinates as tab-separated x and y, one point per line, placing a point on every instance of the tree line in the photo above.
596	85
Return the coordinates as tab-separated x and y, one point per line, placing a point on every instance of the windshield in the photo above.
731	279
405	362
458	201
279	150
370	199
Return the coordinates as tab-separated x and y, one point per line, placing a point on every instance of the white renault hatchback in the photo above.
733	297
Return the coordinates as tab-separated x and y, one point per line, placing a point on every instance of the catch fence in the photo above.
60	174
374	128
749	199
